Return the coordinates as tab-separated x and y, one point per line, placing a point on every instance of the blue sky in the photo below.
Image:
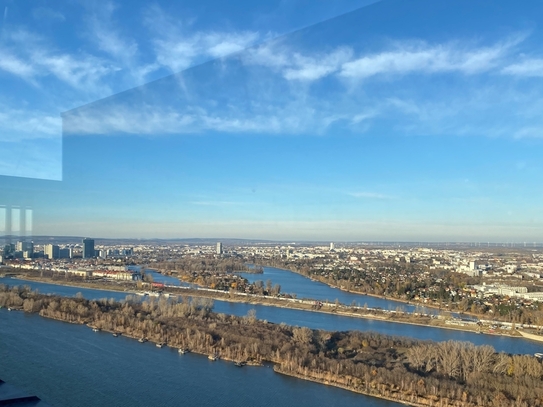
357	120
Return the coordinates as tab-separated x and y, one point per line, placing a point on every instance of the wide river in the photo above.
69	365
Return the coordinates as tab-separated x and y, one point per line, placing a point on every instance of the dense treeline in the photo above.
402	369
383	279
198	264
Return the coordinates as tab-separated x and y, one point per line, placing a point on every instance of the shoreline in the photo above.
275	366
382	297
274	302
200	338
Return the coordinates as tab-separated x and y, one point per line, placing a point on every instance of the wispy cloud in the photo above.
31	57
15	66
177	47
164	120
316	67
22	124
528	68
45	13
108	39
370	195
294	65
403	57
408	57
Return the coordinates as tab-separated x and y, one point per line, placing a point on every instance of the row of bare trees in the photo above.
403	369
464	361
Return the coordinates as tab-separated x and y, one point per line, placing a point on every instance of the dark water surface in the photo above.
70	365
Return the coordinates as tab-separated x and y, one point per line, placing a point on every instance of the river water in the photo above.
69	365
303	287
316	320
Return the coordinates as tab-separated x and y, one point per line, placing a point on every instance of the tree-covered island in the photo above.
400	369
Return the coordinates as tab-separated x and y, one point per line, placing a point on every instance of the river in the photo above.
69	365
318	320
303	287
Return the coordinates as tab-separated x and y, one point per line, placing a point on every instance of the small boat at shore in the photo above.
182	351
115	334
141	340
95	329
160	344
239	363
213	357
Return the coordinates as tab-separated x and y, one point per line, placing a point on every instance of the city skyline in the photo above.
361	121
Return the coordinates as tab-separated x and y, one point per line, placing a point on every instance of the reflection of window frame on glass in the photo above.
16	222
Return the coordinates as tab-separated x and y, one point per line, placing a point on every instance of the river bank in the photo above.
414	319
409	400
382	366
382	297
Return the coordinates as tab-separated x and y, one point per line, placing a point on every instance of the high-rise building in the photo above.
219	248
88	248
23	246
332	246
65	253
26	249
52	251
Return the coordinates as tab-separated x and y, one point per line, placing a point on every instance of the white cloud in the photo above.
107	37
15	66
529	68
19	124
83	72
294	65
146	120
403	58
156	121
33	59
178	48
407	57
313	68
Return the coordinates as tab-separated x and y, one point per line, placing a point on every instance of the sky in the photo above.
287	120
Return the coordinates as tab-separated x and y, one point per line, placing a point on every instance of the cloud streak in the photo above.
532	67
424	58
371	195
177	47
